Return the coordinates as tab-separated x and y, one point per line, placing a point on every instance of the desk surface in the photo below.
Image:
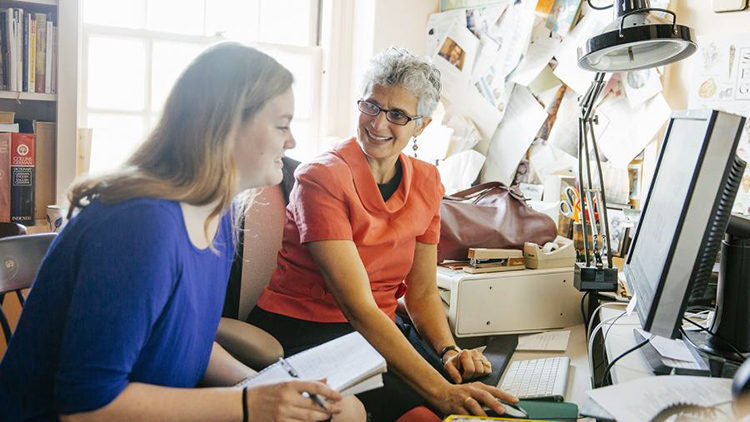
578	378
634	365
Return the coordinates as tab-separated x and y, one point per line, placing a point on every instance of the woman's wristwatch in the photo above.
446	349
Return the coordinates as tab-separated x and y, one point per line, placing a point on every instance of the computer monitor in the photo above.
685	215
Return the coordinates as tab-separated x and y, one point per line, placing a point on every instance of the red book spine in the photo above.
4	177
22	166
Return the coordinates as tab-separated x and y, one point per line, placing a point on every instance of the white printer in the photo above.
509	302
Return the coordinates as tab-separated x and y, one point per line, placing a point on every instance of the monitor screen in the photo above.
667	200
684	216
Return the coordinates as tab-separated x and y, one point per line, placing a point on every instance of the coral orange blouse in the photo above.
336	198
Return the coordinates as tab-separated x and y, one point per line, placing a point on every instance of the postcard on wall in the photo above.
515	29
621	141
563	15
564	132
641	85
439	24
510	142
567	55
542	47
458	49
543	7
485	20
721	81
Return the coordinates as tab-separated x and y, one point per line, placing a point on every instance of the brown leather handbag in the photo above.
489	215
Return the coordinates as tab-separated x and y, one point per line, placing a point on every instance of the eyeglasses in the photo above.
394	116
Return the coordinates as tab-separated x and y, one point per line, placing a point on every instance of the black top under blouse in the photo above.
389	188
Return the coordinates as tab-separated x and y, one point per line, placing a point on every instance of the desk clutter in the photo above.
557	254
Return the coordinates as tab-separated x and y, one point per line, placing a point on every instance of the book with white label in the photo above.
349	363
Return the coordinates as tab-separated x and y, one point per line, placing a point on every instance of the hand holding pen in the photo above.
288	401
294	374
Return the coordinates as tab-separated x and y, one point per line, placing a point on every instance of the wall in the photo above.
403	23
380	24
698	15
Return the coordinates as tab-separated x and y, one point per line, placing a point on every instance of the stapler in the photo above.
484	260
557	254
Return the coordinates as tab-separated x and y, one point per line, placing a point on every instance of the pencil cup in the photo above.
578	242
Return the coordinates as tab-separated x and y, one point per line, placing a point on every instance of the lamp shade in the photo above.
634	41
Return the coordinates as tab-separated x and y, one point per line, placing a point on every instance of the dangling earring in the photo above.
415	147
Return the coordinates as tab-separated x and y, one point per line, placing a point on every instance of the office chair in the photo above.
20	258
260	242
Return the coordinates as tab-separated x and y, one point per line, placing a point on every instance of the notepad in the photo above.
548	341
671	349
350	364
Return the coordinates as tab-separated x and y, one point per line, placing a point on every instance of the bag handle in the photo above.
479	191
474	191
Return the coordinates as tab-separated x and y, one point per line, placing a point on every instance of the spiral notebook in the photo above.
350	364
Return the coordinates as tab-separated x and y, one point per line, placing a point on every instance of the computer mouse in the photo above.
512	410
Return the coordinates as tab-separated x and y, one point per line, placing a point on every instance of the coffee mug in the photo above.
55	218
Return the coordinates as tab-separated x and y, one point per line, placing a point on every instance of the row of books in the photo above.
27	169
28	44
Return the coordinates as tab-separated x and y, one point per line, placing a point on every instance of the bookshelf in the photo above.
28	3
23	96
60	107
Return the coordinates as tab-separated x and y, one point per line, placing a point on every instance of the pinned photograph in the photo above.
563	16
453	53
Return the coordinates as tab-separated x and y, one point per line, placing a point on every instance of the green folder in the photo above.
537	410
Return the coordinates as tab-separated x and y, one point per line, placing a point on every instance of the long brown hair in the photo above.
188	156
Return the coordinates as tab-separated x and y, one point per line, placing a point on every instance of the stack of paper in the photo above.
655	394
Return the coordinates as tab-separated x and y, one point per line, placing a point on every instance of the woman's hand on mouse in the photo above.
468	399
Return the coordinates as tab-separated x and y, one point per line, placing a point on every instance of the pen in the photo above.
292	373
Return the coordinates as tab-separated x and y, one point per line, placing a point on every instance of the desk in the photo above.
578	377
634	365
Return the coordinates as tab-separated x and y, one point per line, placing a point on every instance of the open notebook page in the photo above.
345	362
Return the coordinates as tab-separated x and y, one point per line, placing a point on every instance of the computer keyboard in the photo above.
544	378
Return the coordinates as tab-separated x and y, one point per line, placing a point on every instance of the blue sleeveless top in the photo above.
122	296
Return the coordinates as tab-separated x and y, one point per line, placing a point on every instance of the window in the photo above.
133	51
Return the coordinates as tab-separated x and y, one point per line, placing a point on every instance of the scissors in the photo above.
571	206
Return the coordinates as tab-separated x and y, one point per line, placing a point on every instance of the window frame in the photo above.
149	116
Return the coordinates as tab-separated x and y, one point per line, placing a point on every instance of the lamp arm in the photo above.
605	221
581	129
584	125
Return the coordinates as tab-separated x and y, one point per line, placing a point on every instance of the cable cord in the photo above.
593	314
606	333
706	350
591	5
583	309
591	345
702	328
625	353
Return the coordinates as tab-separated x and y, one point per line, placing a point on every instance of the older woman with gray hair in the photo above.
362	230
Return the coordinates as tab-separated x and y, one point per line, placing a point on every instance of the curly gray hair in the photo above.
399	67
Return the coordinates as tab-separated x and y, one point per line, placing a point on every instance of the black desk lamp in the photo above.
635	40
